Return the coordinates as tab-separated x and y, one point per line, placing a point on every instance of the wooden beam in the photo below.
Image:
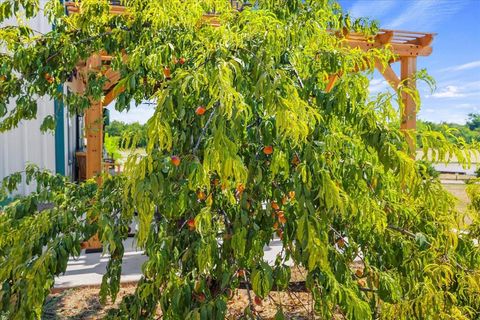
113	77
385	37
402	49
94	62
424	41
409	115
74	7
388	74
77	84
112	94
331	82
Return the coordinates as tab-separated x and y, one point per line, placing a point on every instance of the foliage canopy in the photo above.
272	155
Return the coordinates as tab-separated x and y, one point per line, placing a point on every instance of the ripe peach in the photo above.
281	218
201	195
49	78
295	160
200	111
240	188
201	297
280	233
191	224
268	150
175	160
274	205
166	73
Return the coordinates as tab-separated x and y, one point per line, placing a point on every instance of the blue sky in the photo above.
455	60
454	63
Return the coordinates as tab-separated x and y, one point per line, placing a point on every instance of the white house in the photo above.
27	144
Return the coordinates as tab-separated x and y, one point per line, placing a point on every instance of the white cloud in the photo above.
423	15
440	114
139	114
458	90
369	8
448	92
378	85
465	66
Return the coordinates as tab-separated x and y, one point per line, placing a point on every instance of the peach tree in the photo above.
245	146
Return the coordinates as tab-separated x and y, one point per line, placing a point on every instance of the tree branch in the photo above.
403	231
300	82
412	235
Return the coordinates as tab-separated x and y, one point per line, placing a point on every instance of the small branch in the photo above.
250	302
290	293
255	123
300	82
403	231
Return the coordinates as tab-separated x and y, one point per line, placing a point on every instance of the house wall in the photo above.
27	143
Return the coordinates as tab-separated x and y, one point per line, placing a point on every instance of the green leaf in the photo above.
262	280
421	240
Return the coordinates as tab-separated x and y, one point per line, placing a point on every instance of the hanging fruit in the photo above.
268	150
175	160
166	73
200	111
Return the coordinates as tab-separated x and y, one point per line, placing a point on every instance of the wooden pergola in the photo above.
406	46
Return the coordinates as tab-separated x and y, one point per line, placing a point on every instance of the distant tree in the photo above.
134	131
459	130
473	121
115	128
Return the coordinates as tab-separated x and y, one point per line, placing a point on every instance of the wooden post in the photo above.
409	117
94	133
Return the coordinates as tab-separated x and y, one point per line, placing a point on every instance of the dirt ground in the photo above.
83	303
